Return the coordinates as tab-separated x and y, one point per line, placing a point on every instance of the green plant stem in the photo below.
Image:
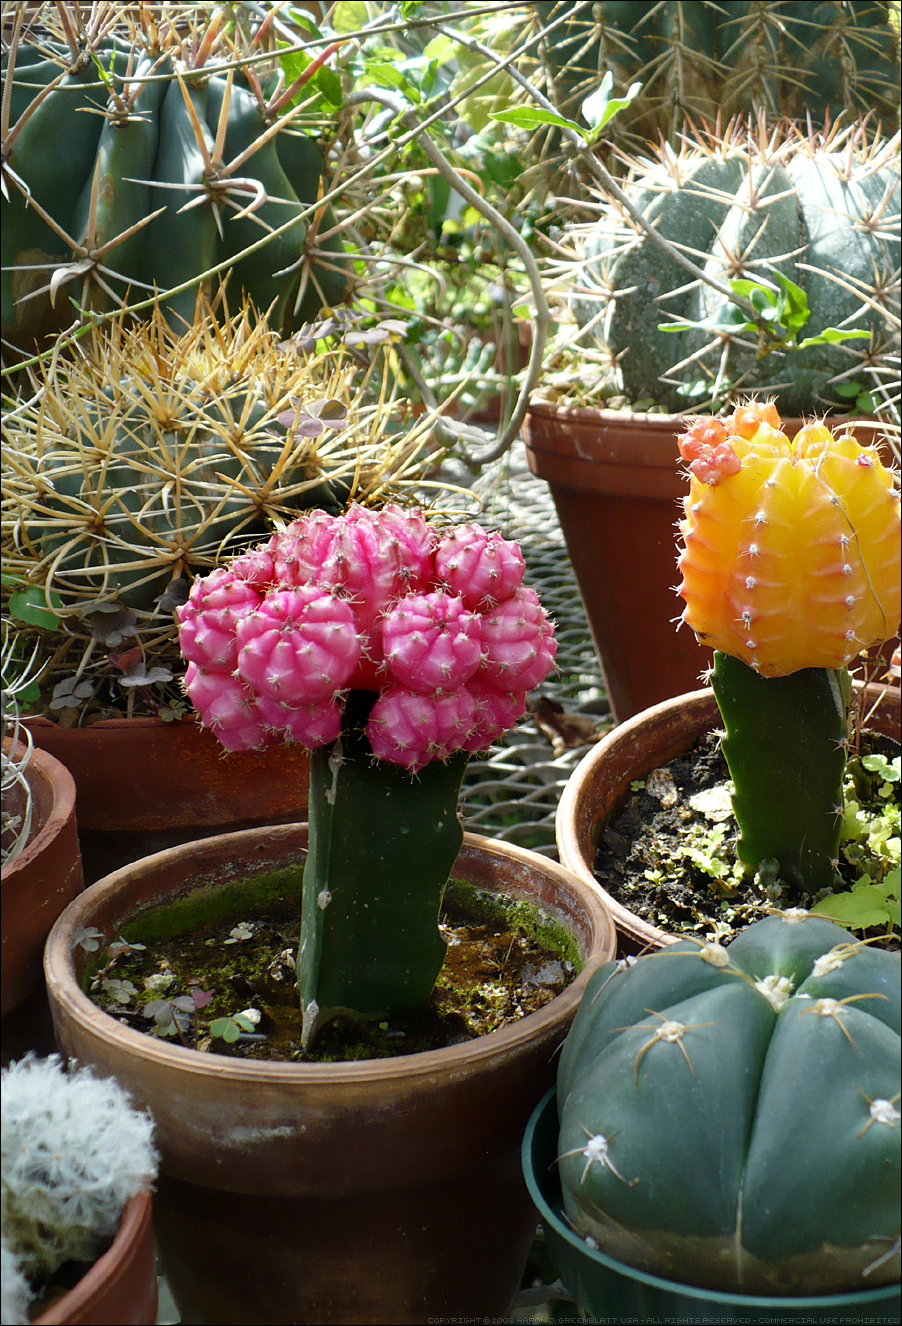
785	746
381	848
409	120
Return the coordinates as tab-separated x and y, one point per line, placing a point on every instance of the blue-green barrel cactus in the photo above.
757	203
730	1114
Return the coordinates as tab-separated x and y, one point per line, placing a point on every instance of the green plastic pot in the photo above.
608	1290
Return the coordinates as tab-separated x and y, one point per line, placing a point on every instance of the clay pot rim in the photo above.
74	1305
677	422
455	1059
700	703
674	422
112	724
63	785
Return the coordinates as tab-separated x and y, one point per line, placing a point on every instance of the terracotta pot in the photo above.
121	1286
382	1191
41	881
617	487
144	785
600	784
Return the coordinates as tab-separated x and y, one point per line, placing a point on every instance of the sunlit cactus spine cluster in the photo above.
697	57
173	153
753	203
150	457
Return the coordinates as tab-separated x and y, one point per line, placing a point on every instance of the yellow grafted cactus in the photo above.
791	548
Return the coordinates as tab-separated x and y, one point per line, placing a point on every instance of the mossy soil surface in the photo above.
669	854
504	960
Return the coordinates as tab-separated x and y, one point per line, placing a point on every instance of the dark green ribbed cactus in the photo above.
696	58
730	1115
130	165
369	931
755	204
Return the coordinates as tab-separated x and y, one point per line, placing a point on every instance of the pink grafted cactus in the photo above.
479	565
368	558
496	712
413	729
431	642
208	620
310	725
437	626
518	642
229	708
300	646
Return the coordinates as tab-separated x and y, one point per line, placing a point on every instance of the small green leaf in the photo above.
861	909
598	109
30	607
747	288
388	75
848	390
832	336
528	117
796	301
441	49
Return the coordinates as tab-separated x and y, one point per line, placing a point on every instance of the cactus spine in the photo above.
790	568
150	457
750	204
730	1115
697	58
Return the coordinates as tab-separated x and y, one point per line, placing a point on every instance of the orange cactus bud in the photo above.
791	556
746	419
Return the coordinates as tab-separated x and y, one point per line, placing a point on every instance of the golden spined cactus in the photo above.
791	548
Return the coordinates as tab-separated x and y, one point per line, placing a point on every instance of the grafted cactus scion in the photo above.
790	569
393	651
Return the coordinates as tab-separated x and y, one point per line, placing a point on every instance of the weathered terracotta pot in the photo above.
121	1286
144	785
381	1191
41	881
617	487
600	784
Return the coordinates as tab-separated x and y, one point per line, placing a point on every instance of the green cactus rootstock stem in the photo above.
785	746
382	846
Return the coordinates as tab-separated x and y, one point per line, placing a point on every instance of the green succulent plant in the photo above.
802	226
171	155
730	1114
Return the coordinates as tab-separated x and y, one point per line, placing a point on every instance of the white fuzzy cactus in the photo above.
74	1153
15	1291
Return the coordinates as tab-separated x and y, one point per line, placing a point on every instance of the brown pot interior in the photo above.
601	783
